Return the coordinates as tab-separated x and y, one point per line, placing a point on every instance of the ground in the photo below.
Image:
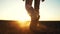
12	27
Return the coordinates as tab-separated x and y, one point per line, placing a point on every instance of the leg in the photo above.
36	11
36	7
32	13
30	9
28	6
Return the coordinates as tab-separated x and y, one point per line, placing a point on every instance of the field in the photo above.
13	27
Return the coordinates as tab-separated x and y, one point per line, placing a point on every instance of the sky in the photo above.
15	10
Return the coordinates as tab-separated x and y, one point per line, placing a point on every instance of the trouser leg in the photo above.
36	7
32	12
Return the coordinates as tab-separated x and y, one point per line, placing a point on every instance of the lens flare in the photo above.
24	24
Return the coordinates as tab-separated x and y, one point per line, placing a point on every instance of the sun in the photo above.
21	16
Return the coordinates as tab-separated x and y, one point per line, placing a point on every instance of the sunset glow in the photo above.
15	10
24	24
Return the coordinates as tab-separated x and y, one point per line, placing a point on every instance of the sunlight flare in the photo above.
24	24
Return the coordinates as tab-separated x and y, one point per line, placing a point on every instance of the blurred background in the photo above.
15	10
